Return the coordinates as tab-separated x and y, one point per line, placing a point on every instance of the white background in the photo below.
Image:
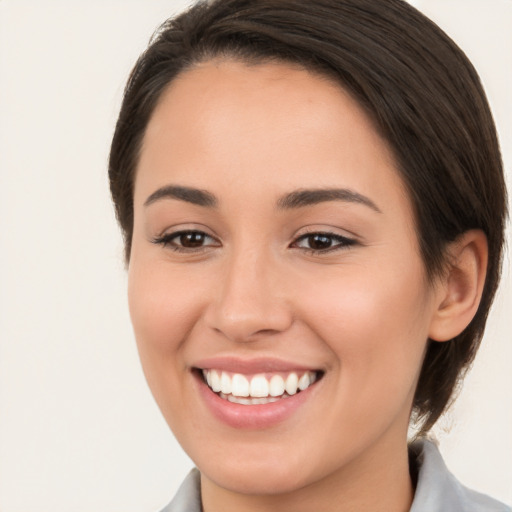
78	428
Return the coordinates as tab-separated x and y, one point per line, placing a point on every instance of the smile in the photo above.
260	388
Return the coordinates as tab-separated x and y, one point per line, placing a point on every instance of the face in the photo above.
276	289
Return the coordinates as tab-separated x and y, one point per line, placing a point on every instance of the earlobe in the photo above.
460	288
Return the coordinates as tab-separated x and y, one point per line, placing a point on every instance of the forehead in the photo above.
229	122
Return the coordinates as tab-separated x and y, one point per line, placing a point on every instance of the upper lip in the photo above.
250	366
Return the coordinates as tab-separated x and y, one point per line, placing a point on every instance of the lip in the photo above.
251	366
258	416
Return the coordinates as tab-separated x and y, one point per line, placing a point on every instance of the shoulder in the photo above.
438	490
188	497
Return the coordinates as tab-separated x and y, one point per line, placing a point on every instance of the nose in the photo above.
250	302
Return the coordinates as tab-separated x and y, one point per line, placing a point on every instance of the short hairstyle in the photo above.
423	94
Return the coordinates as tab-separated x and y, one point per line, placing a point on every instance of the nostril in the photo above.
246	308
246	330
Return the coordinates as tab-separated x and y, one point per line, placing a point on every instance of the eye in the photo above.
187	241
322	242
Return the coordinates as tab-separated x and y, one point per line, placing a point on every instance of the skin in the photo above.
362	313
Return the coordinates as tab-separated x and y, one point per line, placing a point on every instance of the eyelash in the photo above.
168	240
341	242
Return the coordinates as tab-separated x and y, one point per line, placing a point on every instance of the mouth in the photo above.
259	388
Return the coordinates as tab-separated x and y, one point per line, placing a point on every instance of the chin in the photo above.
261	479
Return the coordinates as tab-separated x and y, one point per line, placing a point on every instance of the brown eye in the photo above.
322	242
192	239
184	241
319	242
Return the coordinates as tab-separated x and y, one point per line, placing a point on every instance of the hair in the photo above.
421	91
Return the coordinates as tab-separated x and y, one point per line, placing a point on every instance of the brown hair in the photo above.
422	92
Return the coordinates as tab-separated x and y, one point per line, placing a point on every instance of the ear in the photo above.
460	288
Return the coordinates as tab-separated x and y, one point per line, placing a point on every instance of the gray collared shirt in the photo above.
437	489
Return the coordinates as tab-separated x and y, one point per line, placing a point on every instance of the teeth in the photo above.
225	383
259	386
304	382
239	385
276	385
249	401
240	389
291	384
215	378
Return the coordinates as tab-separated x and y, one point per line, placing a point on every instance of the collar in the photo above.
438	490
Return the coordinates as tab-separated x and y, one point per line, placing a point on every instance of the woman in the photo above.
313	204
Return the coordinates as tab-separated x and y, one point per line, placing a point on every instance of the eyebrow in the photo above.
188	194
295	199
308	197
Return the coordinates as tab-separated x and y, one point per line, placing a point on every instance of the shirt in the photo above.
437	490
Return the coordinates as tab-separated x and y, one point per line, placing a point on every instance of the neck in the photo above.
379	481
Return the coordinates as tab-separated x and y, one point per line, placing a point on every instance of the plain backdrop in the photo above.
79	430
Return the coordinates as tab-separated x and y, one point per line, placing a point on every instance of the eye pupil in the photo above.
192	239
319	242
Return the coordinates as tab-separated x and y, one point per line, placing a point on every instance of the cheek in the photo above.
377	329
163	310
355	301
162	306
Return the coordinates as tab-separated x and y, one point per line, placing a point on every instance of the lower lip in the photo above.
258	416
